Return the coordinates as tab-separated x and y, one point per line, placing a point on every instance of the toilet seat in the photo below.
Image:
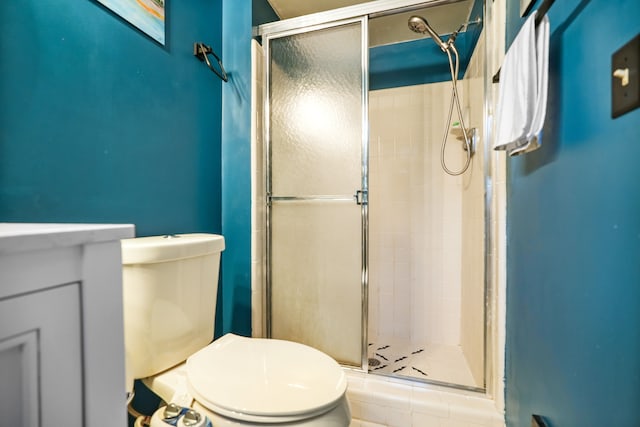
264	380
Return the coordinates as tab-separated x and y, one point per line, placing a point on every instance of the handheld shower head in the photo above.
418	24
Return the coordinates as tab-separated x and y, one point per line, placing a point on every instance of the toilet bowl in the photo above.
169	289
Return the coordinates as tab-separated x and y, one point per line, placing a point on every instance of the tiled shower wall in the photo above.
426	270
415	214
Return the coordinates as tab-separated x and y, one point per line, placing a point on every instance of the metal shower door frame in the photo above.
361	196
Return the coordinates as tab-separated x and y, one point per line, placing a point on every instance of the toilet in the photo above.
169	293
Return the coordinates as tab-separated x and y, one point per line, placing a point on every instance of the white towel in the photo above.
523	89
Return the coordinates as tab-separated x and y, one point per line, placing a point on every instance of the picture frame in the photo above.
146	15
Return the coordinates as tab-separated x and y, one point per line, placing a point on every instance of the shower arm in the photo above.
452	38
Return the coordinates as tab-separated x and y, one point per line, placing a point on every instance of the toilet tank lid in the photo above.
153	249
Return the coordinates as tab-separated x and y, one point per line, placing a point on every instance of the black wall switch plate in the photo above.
625	81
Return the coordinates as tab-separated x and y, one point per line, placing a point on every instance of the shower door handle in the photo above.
361	197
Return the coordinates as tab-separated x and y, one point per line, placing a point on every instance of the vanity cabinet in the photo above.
61	328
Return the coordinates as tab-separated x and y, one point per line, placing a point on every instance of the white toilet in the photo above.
170	286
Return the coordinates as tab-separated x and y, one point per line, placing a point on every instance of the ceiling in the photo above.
286	9
387	29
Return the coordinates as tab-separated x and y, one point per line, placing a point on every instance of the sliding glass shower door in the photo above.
317	187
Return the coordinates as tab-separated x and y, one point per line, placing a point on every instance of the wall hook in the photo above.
201	51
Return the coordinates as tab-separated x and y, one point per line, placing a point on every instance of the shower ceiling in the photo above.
385	29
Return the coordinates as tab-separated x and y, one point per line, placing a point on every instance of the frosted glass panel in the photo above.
316	86
315	92
316	276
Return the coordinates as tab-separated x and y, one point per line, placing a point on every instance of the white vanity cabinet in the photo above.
61	328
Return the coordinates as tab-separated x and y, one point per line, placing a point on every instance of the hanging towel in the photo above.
523	89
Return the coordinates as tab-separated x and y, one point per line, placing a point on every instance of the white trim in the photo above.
495	46
393	402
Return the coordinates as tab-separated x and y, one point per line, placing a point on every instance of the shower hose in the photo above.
455	98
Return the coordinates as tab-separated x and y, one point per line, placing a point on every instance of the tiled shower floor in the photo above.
445	363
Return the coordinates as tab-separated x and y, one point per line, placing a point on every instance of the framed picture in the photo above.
146	15
525	6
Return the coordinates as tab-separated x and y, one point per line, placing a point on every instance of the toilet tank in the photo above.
169	294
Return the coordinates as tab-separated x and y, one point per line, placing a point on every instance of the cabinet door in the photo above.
41	359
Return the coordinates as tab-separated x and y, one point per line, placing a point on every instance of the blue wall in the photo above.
418	62
99	123
573	298
236	169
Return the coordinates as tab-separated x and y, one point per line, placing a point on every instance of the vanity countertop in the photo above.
19	237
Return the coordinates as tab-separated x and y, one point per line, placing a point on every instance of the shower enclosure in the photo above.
373	254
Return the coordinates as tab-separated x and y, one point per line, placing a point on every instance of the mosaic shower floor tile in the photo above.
445	363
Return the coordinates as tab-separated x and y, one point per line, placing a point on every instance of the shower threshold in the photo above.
428	362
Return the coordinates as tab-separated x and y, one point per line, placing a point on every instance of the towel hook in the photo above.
201	50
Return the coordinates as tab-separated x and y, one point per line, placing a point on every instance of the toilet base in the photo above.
339	416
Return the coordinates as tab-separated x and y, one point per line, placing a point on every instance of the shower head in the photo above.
418	24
